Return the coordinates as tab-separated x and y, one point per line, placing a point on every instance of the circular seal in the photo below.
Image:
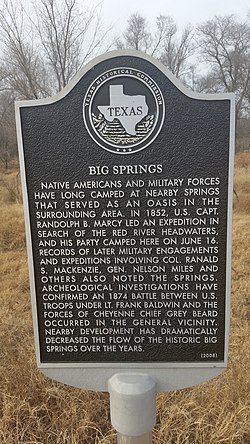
123	110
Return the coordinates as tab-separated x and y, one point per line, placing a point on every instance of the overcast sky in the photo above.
117	12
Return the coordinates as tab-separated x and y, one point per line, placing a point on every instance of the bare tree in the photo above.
136	35
22	70
7	128
43	51
40	52
176	52
163	43
165	30
225	45
63	30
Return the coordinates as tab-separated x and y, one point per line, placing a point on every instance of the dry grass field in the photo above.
36	410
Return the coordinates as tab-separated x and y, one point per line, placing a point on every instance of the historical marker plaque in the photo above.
128	189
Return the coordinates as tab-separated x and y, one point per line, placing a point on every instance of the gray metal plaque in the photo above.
127	180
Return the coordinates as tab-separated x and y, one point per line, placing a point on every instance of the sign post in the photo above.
132	407
143	439
127	182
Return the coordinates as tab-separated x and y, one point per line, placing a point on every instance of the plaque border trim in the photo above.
94	376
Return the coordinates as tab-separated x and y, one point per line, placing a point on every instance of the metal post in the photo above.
132	407
143	439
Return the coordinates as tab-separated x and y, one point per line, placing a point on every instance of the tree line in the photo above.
44	46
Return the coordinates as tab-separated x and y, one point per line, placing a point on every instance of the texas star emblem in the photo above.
123	110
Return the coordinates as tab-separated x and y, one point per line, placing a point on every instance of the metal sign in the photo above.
127	180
